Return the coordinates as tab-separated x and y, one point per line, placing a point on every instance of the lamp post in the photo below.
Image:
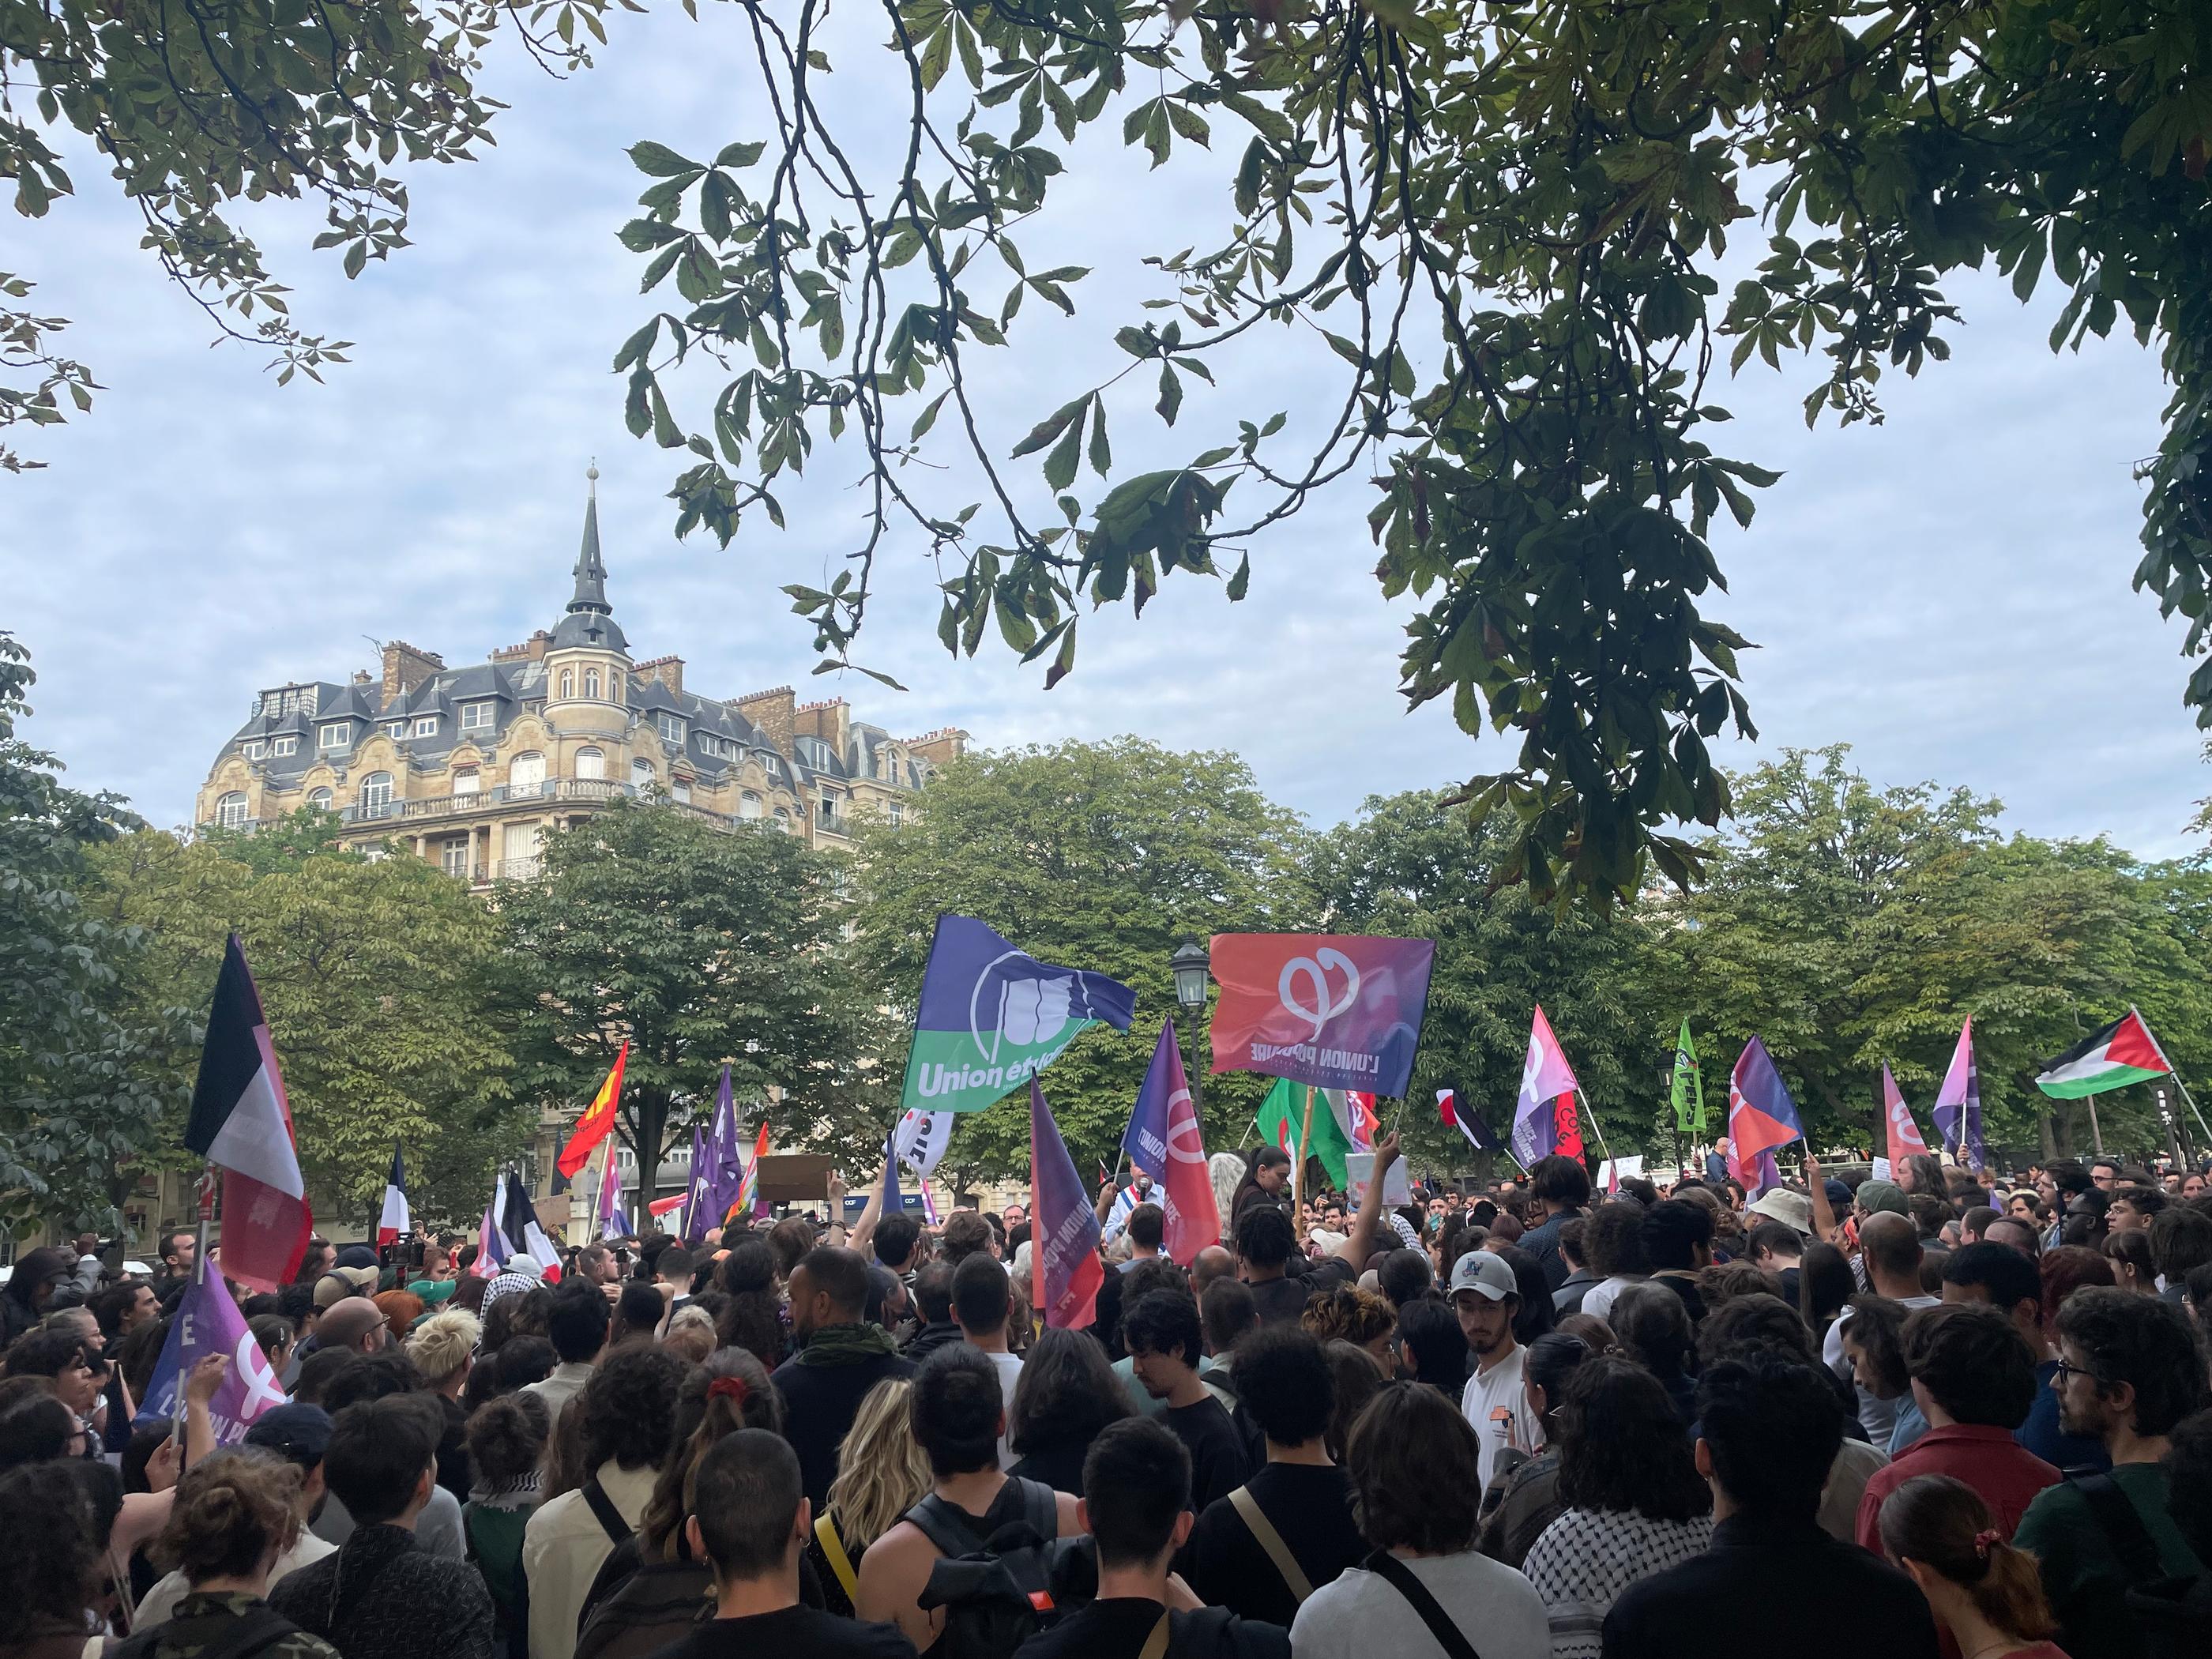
1191	965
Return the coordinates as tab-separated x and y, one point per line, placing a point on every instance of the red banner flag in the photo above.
598	1117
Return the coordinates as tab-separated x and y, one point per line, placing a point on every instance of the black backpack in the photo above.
999	1591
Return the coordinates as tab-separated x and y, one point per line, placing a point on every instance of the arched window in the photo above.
749	804
783	820
466	779
230	811
319	799
376	795
640	775
526	776
591	682
590	763
681	789
567	683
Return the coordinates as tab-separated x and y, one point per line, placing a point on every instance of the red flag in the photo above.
1064	1267
241	1121
1567	1127
598	1117
663	1205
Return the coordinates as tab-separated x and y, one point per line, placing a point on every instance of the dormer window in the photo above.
476	716
255	750
338	736
396	729
283	746
426	727
672	728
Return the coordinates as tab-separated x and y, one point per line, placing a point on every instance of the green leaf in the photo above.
1060	465
1050	428
740	155
928	418
659	161
1102	455
1242	579
1170	393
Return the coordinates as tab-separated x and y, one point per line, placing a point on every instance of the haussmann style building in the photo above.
469	767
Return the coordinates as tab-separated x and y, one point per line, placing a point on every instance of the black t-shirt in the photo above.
790	1633
1311	1507
1280	1301
1218	1461
1118	1629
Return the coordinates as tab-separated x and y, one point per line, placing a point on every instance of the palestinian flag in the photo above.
1282	1121
2124	1052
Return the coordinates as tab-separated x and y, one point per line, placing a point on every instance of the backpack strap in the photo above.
2124	1528
1255	1519
833	1552
254	1632
945	1525
1156	1644
1040	1507
1400	1576
602	1509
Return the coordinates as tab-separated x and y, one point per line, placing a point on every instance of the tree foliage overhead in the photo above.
381	979
1506	220
197	106
1852	926
700	947
79	1106
1105	856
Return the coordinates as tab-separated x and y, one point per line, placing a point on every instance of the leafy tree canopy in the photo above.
702	948
1852	927
80	1106
380	981
1507	221
197	106
1106	856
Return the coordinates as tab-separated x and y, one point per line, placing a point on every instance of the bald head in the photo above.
354	1322
1210	1263
1892	1246
2014	1234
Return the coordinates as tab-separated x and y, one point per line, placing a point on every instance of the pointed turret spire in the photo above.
590	619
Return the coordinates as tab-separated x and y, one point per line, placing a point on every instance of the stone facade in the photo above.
469	767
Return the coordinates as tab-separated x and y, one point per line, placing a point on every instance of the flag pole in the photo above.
2172	1071
1298	1173
199	1270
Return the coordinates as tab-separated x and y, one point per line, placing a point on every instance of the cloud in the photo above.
1948	592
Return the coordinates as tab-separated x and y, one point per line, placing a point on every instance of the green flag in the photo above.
1282	1119
1689	1086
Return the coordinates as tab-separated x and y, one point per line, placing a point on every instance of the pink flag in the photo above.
1904	1134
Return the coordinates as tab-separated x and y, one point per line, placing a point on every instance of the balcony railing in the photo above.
476	801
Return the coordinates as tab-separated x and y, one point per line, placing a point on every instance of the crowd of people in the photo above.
1943	1415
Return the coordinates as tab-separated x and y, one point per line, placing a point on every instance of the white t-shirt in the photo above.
1361	1614
1009	1372
159	1603
1597	1301
1497	1405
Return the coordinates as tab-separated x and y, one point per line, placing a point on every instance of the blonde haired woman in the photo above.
444	1350
881	1474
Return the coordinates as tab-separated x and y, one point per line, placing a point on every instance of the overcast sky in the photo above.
1948	592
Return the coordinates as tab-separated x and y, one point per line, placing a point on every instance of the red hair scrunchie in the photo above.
732	1389
1983	1540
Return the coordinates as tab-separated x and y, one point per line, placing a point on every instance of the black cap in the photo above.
300	1434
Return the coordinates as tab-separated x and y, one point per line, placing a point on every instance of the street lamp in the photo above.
1190	965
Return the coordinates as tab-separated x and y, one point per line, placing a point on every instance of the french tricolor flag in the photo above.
396	1221
241	1121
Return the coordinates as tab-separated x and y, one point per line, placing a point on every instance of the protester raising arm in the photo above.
1824	1213
1359	1243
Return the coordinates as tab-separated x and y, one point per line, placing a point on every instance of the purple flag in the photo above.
1065	1268
209	1323
1959	1103
726	1163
